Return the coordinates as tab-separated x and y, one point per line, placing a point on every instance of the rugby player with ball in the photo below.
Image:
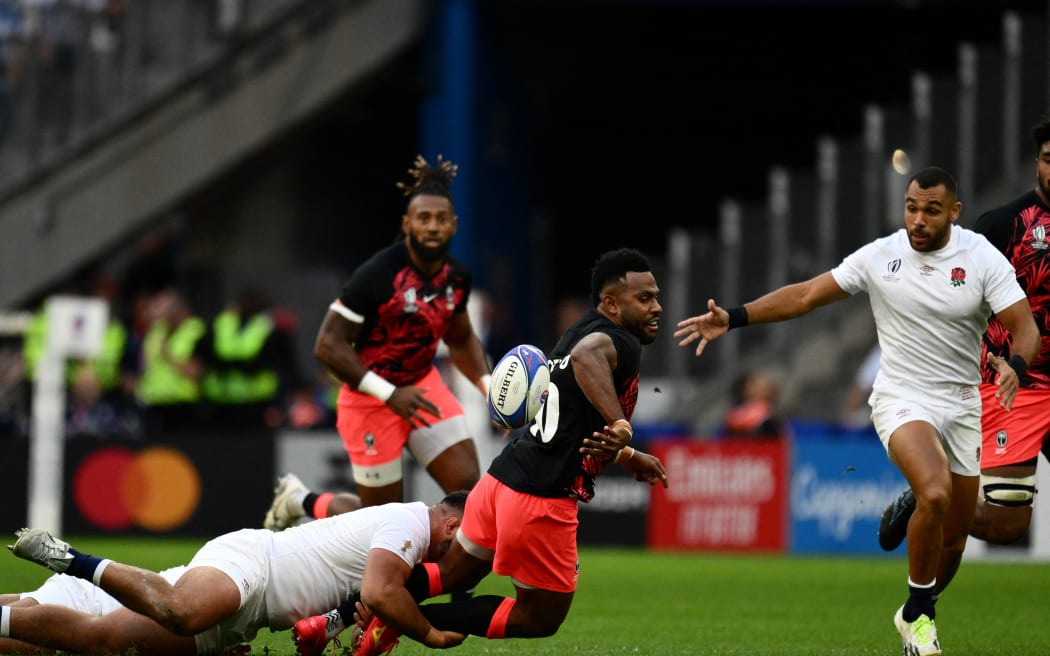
520	519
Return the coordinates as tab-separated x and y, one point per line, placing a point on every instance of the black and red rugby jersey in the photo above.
406	312
543	458
1021	230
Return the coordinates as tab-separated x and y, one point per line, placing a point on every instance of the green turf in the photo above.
636	602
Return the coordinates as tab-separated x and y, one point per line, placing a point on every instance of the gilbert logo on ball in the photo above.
519	386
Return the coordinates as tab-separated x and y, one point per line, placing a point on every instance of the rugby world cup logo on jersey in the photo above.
1038	238
893	267
1000	442
958	277
410	301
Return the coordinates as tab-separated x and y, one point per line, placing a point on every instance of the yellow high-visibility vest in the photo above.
161	382
234	378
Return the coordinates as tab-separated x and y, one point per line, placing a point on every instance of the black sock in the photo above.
462	596
472	616
308	504
418	584
920	602
348	608
83	565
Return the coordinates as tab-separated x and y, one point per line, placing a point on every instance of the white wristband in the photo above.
484	383
375	385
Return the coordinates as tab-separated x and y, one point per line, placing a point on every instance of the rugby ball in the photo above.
519	386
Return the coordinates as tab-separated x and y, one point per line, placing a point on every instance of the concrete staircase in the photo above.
121	173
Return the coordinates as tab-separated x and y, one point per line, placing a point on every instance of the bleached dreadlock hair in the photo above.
429	180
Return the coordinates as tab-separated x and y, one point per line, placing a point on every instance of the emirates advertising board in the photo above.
813	495
723	496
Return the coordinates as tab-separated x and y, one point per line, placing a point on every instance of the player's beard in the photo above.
1044	185
934	240
429	254
644	336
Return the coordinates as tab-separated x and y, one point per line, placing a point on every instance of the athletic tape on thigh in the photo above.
378	475
1012	492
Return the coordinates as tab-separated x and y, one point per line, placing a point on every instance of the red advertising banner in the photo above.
722	496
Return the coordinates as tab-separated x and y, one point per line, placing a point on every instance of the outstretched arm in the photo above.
788	302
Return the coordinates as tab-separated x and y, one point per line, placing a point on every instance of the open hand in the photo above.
706	327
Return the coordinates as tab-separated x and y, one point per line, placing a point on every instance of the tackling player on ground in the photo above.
235	585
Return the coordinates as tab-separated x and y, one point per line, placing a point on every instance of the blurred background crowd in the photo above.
166	367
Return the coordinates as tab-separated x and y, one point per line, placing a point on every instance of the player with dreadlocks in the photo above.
380	338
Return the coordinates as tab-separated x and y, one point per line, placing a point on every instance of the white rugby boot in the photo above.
287	507
42	548
919	637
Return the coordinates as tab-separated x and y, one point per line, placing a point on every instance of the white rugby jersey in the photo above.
319	564
930	308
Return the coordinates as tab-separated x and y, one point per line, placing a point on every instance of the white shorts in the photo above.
957	422
242	556
82	595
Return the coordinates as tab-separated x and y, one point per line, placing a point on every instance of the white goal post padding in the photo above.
75	327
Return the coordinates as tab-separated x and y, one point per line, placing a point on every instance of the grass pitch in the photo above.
638	602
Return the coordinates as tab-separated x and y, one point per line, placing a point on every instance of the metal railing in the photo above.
71	68
974	123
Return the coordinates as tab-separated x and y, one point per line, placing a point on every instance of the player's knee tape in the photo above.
1011	492
378	475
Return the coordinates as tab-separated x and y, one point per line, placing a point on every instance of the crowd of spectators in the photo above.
165	368
67	65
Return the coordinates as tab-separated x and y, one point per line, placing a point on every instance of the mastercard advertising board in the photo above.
200	485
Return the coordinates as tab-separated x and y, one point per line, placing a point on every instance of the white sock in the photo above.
96	577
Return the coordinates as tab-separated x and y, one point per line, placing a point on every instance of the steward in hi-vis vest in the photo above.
250	364
236	374
172	365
